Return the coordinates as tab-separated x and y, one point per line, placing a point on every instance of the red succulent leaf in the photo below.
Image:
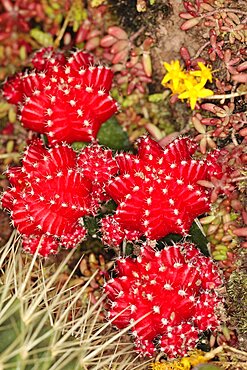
157	190
16	15
8	129
166	296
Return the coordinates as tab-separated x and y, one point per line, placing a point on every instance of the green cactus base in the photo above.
43	327
33	344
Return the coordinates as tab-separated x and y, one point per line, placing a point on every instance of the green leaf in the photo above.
155	98
111	134
43	38
170	239
78	145
197	237
91	224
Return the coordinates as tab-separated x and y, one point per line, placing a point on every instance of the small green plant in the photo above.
46	327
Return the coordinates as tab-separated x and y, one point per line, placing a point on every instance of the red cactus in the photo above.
114	234
50	194
99	166
157	191
168	297
67	101
47	58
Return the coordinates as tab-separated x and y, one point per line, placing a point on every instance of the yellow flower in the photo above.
194	92
178	90
167	366
174	73
186	363
191	79
205	73
181	86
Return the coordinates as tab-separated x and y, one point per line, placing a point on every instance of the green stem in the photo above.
62	30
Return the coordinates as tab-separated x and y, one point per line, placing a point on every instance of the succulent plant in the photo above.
170	297
165	298
44	325
236	288
68	101
157	191
51	215
16	18
132	65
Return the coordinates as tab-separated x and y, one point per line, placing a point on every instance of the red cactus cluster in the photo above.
157	191
168	297
67	101
52	191
99	166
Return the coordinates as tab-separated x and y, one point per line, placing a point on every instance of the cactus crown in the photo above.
157	191
66	99
169	296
